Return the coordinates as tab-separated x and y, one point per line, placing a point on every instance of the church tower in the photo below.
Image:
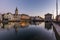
16	11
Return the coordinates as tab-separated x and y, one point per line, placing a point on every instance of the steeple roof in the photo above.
16	9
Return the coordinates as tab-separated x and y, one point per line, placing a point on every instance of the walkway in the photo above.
57	27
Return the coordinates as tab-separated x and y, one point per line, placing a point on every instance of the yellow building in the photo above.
25	17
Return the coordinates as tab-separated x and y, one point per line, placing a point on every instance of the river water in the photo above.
27	31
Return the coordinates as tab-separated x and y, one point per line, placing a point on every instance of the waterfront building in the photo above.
16	15
25	17
32	17
16	12
5	16
48	17
8	16
0	17
17	18
58	18
38	18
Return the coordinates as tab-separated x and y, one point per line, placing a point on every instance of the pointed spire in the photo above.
16	9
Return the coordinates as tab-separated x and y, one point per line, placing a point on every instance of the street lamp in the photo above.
56	10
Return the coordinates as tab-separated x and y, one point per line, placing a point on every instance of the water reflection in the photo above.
22	30
1	25
35	23
48	25
23	24
10	25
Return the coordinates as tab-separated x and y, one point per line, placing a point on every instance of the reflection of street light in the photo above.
24	24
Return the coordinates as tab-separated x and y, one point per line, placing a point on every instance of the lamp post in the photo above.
56	10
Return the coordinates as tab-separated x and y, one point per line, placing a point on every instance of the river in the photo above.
27	31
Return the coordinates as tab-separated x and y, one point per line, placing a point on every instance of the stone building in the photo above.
48	17
16	15
8	16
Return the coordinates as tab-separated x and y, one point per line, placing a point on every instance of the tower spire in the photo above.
16	11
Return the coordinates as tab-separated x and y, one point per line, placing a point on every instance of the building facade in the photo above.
25	17
48	17
1	17
16	15
58	18
8	16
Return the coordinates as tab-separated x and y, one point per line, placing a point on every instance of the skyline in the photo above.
30	7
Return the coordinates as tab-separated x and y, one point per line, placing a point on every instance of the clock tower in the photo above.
16	11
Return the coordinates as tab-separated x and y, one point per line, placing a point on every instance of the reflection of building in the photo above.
24	24
9	25
48	17
48	25
1	25
16	24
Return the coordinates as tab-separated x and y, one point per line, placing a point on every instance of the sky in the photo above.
30	7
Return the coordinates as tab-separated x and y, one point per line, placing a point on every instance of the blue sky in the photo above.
30	7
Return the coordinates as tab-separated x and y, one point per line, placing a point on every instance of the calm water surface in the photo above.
27	31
